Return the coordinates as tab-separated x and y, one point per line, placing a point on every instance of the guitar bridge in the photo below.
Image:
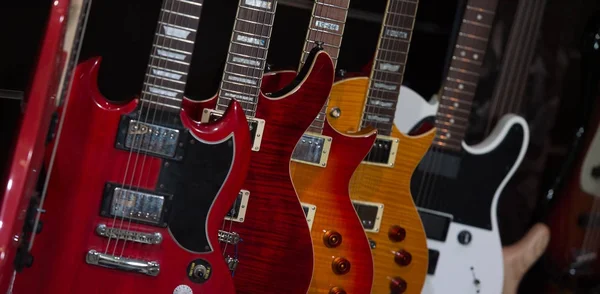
312	149
383	152
149	268
229	237
257	126
309	211
370	214
133	236
238	209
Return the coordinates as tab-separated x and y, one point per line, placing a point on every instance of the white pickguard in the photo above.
412	109
592	159
453	273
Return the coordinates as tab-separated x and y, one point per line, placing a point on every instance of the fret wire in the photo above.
388	68
327	24
463	75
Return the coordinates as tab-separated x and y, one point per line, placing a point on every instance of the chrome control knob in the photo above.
332	239
340	265
397	234
397	285
402	257
200	272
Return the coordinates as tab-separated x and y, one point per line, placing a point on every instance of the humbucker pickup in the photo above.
312	149
133	236
229	237
150	268
383	152
370	214
239	207
148	138
135	204
257	126
309	211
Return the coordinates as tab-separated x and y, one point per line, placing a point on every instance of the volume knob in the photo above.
397	233
337	290
340	265
332	239
402	257
397	285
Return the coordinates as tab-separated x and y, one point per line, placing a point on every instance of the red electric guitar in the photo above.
139	190
268	244
323	163
50	83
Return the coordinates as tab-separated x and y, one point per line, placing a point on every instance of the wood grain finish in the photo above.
276	253
327	189
390	186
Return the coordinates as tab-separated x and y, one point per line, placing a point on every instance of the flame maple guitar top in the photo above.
327	189
389	186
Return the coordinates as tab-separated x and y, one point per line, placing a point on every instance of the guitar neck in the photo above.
171	54
326	28
458	91
389	64
247	54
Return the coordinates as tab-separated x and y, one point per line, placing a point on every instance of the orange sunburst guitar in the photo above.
380	187
321	168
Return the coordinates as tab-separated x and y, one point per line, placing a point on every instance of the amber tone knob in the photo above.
337	290
332	239
340	265
402	257
397	285
397	234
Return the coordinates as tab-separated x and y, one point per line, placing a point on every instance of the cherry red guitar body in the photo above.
203	186
327	189
28	151
276	254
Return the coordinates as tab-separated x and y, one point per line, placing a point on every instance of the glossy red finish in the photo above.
276	253
276	80
28	151
86	159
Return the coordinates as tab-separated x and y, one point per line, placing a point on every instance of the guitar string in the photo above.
524	56
511	101
244	72
162	109
130	155
124	216
498	104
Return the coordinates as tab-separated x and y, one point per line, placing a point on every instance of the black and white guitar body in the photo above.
457	194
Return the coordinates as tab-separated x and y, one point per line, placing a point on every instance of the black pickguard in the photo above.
195	182
194	177
464	184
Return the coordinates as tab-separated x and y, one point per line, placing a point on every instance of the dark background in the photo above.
121	32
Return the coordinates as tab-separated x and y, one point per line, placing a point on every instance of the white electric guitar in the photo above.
457	186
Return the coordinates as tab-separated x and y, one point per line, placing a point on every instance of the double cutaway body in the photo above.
136	198
274	253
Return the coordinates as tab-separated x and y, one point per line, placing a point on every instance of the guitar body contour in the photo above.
201	188
389	186
463	201
327	189
575	259
27	156
275	254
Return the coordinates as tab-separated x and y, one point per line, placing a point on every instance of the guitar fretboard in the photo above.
459	88
171	54
247	54
327	26
388	67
